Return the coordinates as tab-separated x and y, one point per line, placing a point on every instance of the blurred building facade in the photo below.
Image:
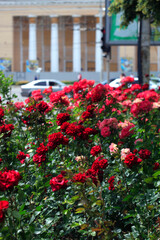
61	36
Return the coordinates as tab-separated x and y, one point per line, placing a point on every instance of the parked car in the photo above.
106	81
154	82
42	84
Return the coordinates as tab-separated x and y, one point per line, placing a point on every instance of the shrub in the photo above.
80	168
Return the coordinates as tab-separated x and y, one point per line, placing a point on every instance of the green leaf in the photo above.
80	210
39	208
156	174
23	212
84	226
99	202
16	214
148	180
74	198
34	216
75	224
154	198
93	234
128	197
129	216
22	207
37	231
49	220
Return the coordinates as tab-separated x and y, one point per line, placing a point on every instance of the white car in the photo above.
154	82
26	89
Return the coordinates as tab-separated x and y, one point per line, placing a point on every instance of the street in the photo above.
17	90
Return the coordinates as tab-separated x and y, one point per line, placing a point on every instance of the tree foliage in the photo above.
131	9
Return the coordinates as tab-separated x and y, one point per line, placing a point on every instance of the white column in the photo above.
158	58
98	50
32	39
76	44
54	45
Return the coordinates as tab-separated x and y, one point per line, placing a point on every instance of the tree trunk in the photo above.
145	50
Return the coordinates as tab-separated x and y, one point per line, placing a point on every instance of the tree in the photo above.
147	12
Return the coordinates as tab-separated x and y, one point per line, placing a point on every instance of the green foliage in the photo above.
68	82
5	86
21	82
133	8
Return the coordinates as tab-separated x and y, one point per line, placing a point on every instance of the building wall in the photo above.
65	32
6	36
8	12
11	40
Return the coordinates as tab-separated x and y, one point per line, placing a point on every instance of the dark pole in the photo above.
139	67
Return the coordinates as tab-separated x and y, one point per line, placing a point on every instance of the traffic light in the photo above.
103	39
105	48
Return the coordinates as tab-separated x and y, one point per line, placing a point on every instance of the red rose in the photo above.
103	163
47	90
105	132
55	139
71	129
6	129
22	156
80	132
145	86
42	107
59	98
3	205
9	179
62	117
79	177
68	89
97	93
135	151
111	122
156	166
135	87
126	132
1	113
95	165
19	105
127	79
132	160
144	153
38	159
140	108
58	182
111	181
91	173
41	150
95	150
90	131
37	95
85	115
64	126
149	95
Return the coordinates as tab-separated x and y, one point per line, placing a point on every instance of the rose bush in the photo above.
81	168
